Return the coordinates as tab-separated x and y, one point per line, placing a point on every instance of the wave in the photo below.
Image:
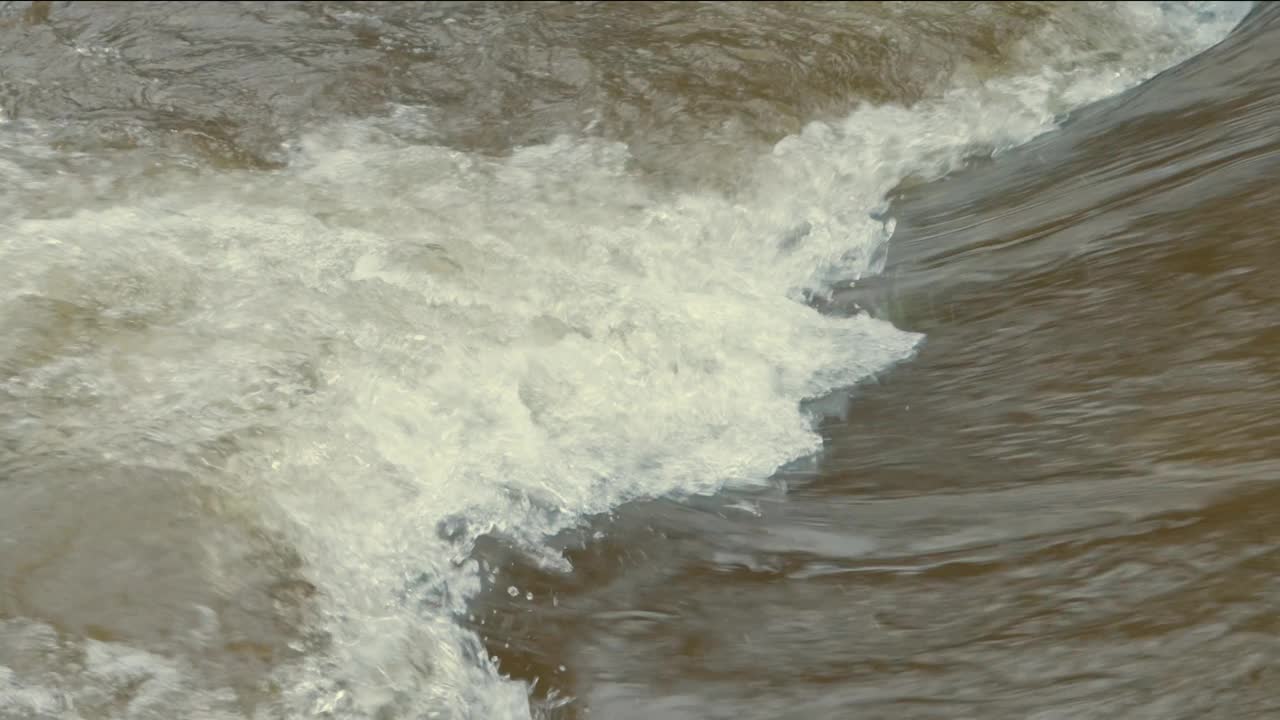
385	350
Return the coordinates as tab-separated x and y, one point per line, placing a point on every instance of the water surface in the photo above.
584	360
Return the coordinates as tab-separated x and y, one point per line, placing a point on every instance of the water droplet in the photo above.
512	591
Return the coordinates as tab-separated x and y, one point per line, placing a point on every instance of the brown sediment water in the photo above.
661	360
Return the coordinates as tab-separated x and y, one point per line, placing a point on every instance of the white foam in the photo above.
53	678
429	345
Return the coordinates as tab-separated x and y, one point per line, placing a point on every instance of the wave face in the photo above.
280	351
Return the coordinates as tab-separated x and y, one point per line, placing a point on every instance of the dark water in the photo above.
495	360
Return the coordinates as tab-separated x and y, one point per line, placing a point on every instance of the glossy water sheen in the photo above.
641	360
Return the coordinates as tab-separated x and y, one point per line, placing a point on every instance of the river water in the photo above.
645	360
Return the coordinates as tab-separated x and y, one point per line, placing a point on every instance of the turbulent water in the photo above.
639	360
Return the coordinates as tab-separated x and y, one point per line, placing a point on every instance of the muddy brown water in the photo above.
264	450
